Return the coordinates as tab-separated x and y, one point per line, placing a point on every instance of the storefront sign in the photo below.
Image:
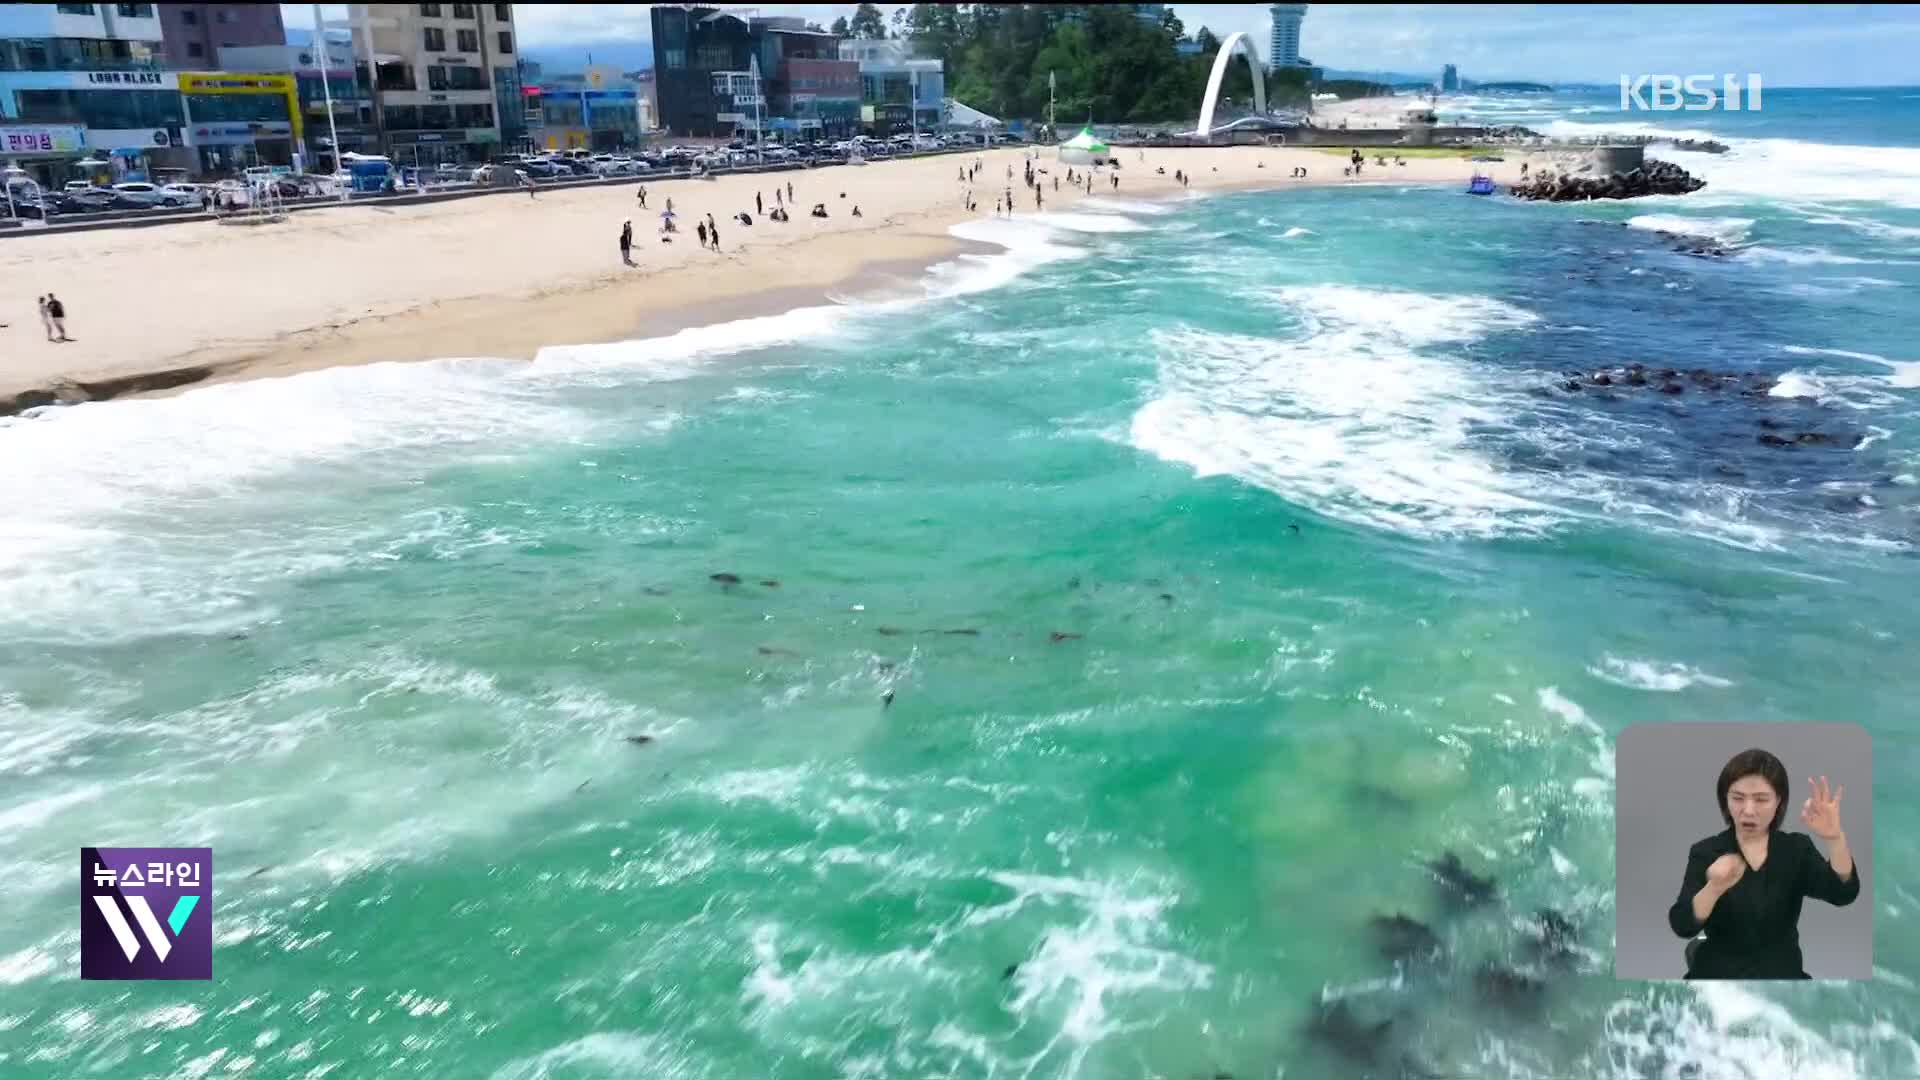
108	140
125	78
221	83
236	134
43	139
87	80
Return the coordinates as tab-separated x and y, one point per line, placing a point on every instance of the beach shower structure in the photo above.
1236	42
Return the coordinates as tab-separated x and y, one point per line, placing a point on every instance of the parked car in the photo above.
482	175
188	194
138	194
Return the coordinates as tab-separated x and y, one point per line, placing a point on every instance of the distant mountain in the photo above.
1379	76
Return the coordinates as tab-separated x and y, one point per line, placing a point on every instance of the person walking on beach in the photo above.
789	190
1009	201
996	206
46	320
1116	181
626	242
57	315
669	204
1523	170
713	233
777	200
643	196
700	227
1039	201
757	207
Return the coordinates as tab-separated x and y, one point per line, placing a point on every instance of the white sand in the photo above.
502	275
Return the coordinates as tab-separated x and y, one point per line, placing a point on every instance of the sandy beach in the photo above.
503	275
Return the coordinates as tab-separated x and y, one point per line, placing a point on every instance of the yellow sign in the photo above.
224	82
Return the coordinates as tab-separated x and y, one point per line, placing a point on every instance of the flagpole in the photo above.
326	90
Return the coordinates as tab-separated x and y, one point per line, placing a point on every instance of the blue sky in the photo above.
1788	45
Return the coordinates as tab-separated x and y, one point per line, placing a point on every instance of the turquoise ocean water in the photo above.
1225	560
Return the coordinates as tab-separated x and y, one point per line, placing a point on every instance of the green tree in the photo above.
839	28
867	23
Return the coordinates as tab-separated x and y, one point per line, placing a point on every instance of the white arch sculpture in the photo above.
1220	64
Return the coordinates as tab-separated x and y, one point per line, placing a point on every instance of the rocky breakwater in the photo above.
1651	178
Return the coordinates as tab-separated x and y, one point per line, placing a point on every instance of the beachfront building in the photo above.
691	43
232	121
194	34
352	103
897	89
598	109
704	75
85	83
441	76
1283	47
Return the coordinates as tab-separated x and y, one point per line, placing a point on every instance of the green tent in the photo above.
1084	149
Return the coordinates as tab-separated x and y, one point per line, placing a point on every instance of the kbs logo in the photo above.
123	892
1692	93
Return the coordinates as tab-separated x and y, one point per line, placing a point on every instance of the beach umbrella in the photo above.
1085	149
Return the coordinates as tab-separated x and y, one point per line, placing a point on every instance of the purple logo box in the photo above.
146	913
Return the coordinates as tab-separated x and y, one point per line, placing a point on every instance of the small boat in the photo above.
1481	184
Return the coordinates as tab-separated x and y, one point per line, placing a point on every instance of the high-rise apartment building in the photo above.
443	77
1283	48
194	34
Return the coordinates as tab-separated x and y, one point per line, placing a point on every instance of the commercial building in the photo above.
597	110
705	60
84	82
1283	48
194	34
352	100
235	120
691	43
897	89
441	77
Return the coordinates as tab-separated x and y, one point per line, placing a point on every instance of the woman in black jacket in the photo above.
1744	886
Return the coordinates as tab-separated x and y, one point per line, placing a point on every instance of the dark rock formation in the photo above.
1461	884
1653	178
1404	939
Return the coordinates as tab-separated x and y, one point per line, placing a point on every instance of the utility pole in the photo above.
759	129
326	89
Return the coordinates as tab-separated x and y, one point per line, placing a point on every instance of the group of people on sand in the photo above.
708	230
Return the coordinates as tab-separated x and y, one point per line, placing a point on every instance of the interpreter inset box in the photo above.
1743	851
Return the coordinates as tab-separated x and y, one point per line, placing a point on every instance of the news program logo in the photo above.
146	913
1692	93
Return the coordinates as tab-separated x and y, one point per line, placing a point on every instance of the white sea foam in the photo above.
1797	383
605	1053
1802	350
1803	256
1652	675
1088	223
1114	945
1296	231
1726	230
1116	204
1361	418
1807	172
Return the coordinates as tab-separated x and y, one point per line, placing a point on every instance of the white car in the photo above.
148	194
185	192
